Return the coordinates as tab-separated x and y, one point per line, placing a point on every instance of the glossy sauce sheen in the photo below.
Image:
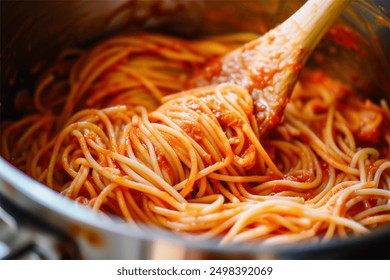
266	71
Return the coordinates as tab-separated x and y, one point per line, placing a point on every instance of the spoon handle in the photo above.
268	67
277	57
310	23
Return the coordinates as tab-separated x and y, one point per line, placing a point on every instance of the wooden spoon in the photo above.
269	66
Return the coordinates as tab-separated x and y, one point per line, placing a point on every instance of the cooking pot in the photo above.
33	32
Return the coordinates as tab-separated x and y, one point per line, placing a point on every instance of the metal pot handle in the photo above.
23	237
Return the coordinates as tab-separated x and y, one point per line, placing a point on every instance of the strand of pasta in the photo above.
110	134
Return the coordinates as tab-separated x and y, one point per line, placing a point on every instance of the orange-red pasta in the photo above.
117	130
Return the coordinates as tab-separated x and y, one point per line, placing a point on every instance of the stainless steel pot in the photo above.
34	31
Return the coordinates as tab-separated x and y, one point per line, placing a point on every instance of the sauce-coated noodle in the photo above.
108	133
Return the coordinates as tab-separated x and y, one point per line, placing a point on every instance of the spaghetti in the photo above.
111	132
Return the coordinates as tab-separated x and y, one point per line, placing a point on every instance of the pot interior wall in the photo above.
33	32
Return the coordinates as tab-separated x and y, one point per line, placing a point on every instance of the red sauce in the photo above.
318	109
274	120
300	177
82	200
345	37
367	133
228	119
192	130
207	160
305	138
297	67
278	189
94	238
204	76
338	89
164	164
366	122
263	77
248	159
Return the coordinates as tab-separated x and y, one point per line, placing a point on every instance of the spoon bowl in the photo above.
268	67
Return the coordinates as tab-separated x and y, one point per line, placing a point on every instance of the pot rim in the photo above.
85	216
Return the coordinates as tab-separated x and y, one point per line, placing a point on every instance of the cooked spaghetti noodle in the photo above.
109	133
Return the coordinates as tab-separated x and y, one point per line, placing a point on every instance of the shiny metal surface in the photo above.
25	237
32	32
